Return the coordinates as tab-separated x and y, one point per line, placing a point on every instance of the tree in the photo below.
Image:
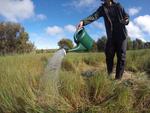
94	48
65	43
135	44
22	42
129	44
147	45
101	43
13	39
140	43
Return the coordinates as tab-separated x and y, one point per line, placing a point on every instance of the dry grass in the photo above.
83	86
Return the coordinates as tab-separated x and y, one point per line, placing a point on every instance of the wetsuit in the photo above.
116	35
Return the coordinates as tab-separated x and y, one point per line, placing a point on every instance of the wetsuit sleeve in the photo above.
124	14
96	15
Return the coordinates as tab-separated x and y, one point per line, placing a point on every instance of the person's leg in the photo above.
121	58
110	53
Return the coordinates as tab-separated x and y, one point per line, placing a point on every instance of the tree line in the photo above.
14	39
131	44
99	45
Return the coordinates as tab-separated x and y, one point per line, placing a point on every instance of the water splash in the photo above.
54	65
49	81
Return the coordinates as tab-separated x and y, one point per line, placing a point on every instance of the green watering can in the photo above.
83	40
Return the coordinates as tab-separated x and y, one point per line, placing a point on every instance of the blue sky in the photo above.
48	21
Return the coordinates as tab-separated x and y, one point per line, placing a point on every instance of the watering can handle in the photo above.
78	30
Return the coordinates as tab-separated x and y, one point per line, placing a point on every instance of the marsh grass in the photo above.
138	61
20	77
100	88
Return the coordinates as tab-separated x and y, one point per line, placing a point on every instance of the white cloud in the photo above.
41	17
70	28
134	10
134	31
99	25
43	41
84	4
54	30
14	10
139	27
57	30
144	23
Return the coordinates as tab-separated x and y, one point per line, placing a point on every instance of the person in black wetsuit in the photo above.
115	19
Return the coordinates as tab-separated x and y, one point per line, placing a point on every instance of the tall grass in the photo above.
19	77
138	61
20	91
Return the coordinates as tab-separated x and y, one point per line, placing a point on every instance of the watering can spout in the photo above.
83	40
78	48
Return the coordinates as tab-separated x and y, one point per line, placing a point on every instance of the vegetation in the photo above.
83	85
101	43
131	44
65	43
14	39
46	50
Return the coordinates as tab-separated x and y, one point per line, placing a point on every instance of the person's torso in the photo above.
112	12
113	15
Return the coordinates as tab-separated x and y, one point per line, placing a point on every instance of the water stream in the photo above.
49	81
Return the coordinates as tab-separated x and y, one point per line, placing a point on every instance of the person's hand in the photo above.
122	21
125	21
80	25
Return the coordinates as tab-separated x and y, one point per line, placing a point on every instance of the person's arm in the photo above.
97	14
125	16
